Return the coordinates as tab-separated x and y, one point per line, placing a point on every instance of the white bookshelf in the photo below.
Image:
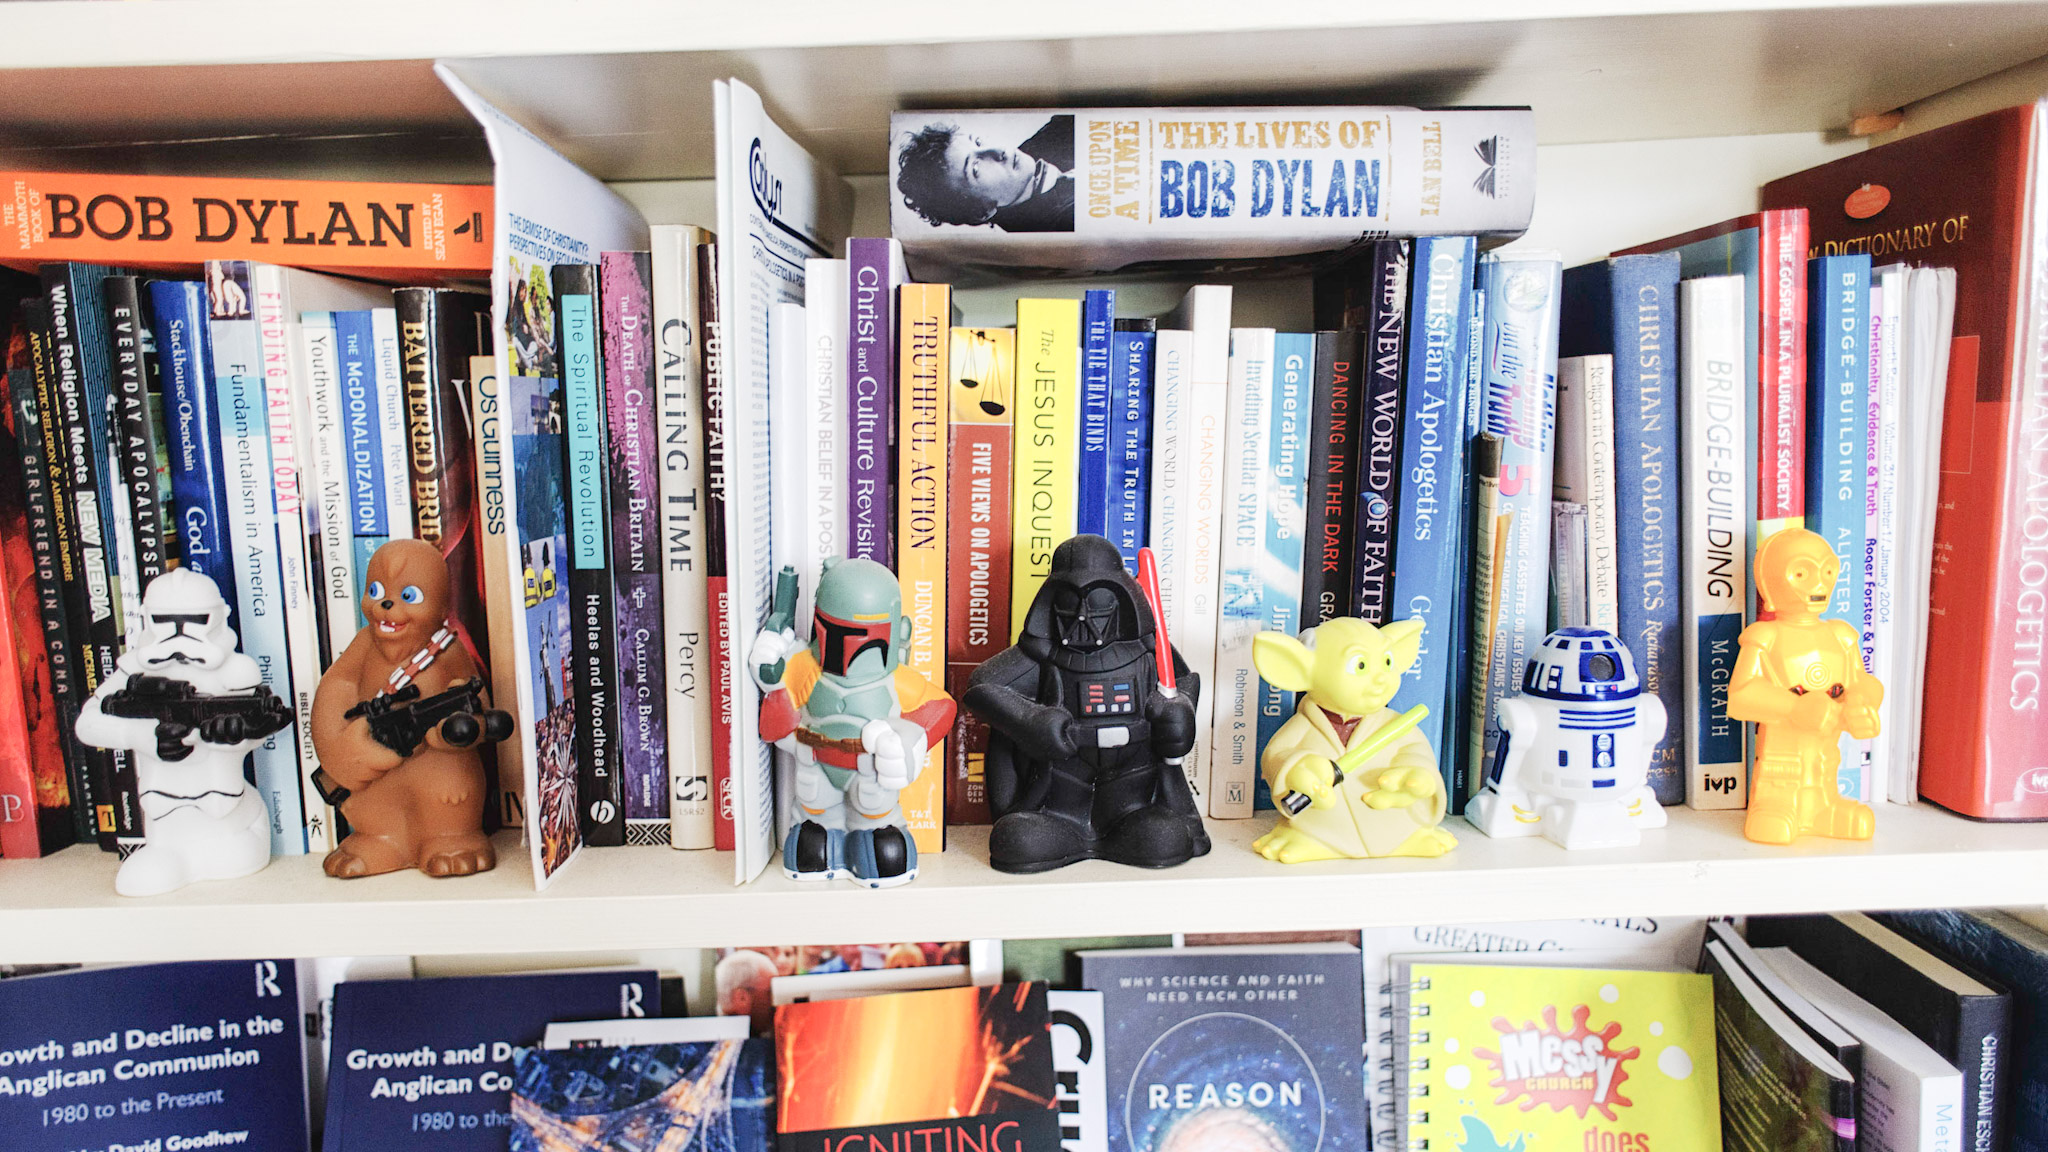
1653	116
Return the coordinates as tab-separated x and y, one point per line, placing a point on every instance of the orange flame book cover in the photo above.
390	231
947	1070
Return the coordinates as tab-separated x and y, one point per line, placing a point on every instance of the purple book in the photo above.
874	270
641	676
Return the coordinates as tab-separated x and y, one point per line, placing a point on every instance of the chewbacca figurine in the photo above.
397	722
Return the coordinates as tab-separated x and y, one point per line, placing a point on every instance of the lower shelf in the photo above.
64	908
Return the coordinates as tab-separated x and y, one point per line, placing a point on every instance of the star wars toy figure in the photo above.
1089	714
397	722
1573	760
1353	778
1800	679
856	720
191	708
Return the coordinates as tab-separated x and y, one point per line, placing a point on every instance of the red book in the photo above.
716	599
1960	196
983	363
1769	249
35	794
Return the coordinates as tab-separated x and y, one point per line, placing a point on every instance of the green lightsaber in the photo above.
1353	759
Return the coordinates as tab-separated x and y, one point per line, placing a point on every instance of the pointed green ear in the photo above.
1403	639
1284	662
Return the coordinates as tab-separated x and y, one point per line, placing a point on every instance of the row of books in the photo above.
1908	1032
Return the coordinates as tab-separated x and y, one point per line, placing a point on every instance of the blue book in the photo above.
716	1096
428	1063
252	531
1627	308
199	494
1287	456
1428	572
1837	414
206	1055
1130	436
1266	1042
1092	496
355	346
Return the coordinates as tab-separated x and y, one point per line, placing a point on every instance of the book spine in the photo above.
1171	518
599	788
922	520
1329	537
1567	564
1888	355
685	625
21	816
1518	376
252	526
136	427
1585	417
717	599
502	612
81	410
285	419
639	673
1130	438
1715	560
1287	457
36	813
1642	294
1427	555
1781	373
362	456
199	499
329	491
824	423
1091	490
1233	761
1048	402
982	365
871	414
1837	415
1457	716
390	431
1205	314
1379	443
793	528
1873	439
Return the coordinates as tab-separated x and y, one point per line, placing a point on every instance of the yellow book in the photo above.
925	313
1531	1059
1047	443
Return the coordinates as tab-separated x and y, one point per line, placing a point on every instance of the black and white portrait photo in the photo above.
1009	171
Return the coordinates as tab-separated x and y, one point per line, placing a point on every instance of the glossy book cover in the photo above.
704	1097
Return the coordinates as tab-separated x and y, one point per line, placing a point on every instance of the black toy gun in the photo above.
781	618
179	707
401	720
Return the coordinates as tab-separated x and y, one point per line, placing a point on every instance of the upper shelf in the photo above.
622	899
624	87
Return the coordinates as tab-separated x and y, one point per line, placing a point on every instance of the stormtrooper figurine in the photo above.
191	708
1573	760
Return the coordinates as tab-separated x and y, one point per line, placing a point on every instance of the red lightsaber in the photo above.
1148	583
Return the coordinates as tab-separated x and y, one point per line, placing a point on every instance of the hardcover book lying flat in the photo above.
1098	189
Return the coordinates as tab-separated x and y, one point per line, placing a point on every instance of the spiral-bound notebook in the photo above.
1499	1058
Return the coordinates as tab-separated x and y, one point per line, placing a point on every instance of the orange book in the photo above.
925	313
394	231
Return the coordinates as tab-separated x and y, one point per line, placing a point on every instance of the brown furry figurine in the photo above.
396	725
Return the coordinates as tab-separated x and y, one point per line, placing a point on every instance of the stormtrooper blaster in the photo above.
179	708
401	720
1353	759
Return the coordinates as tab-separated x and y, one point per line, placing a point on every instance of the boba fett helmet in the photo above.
858	630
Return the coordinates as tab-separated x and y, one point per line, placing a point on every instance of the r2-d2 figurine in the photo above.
1573	760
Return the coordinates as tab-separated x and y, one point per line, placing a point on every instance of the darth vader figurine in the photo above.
1084	744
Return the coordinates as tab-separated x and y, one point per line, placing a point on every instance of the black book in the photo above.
137	440
586	481
1379	429
1327	591
1780	1090
1963	1017
1835	1039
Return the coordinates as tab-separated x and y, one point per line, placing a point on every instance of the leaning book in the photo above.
1098	189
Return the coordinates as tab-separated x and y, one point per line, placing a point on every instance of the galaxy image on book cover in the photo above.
704	1097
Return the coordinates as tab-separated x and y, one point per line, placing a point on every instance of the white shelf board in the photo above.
64	909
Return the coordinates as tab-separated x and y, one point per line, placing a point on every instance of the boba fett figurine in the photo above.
857	721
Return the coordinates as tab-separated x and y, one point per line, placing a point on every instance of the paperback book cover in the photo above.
427	1064
923	523
1091	492
982	366
686	630
955	1067
1045	448
1379	433
1211	1047
1130	437
199	1055
1327	589
698	1097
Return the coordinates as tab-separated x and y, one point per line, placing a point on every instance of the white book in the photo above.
1080	1069
1874	771
391	414
1585	475
795	526
868	982
764	242
686	623
1167	535
329	480
1924	352
824	426
648	1030
1205	314
1888	311
1234	745
1908	1099
1717	446
1567	564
